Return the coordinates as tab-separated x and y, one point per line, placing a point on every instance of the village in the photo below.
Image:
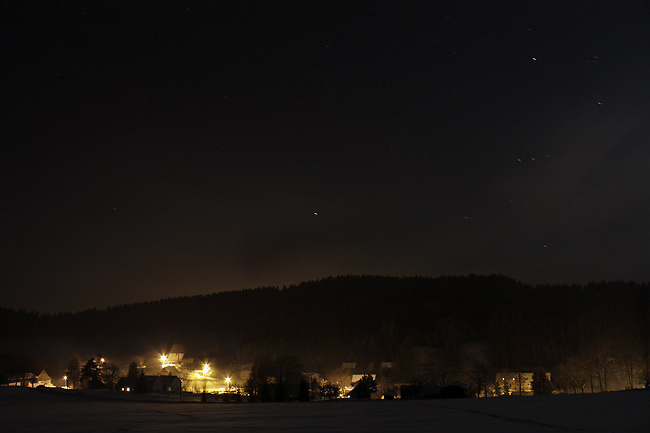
277	379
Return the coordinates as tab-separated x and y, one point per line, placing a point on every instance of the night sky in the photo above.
158	149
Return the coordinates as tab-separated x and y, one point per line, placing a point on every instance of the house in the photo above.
166	384
25	379
125	384
454	390
31	380
44	379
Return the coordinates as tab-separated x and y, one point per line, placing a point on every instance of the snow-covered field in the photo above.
33	410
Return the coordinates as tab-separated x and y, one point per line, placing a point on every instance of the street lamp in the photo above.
227	383
205	373
66	383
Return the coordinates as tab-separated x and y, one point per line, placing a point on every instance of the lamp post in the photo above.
227	384
205	373
66	383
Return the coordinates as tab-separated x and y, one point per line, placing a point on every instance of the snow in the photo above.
40	410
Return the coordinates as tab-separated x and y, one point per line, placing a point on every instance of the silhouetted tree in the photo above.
476	383
280	392
303	390
316	389
90	374
364	388
73	372
257	387
331	391
141	384
540	382
133	373
286	370
110	373
572	375
265	393
445	365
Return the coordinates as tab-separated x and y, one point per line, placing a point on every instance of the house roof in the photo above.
125	381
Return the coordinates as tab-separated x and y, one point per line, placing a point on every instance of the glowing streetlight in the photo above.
206	369
227	383
102	360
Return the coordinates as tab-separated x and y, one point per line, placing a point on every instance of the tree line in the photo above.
591	336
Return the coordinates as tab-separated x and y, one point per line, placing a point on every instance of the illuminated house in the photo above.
517	382
31	380
193	375
174	361
203	377
44	379
175	355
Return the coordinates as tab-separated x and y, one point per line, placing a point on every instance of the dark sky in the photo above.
161	149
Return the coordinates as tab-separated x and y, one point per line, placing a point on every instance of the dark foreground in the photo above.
28	410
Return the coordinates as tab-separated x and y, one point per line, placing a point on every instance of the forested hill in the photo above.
351	313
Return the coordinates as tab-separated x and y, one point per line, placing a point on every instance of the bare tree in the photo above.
573	375
73	373
111	374
445	366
